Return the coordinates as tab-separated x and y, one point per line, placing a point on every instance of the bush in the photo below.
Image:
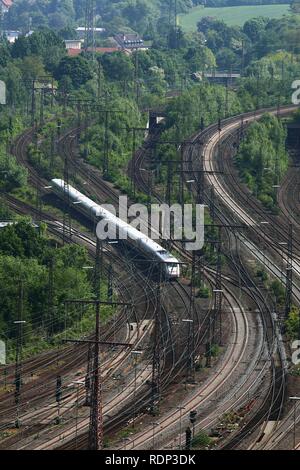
201	440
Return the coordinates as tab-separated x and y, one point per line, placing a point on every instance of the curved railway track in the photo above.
34	179
77	357
229	198
95	186
142	183
72	356
81	170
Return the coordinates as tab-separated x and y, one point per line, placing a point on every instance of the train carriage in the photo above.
151	250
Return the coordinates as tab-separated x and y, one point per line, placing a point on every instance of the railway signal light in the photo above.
188	438
18	383
193	415
58	393
219	125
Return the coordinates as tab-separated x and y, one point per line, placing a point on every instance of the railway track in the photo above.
23	208
81	169
93	184
142	184
34	178
240	210
75	357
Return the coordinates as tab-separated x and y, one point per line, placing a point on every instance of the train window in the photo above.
172	267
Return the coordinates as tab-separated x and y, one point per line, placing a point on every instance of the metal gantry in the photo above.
93	381
89	39
67	224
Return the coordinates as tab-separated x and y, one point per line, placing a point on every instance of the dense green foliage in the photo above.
119	140
262	158
292	324
140	15
26	258
126	85
259	37
11	174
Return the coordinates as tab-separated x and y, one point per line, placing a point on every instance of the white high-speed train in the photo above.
169	265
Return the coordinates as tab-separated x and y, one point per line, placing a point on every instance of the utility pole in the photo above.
188	438
58	396
39	203
78	105
169	183
133	169
218	290
135	355
170	21
33	103
212	204
50	316
96	401
226	97
67	227
41	107
192	326
96	417
88	377
202	125
289	273
243	58
106	145
109	284
89	40
201	183
52	151
99	77
18	363
175	25
156	366
136	73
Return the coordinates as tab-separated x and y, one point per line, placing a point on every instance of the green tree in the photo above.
293	324
77	69
255	27
200	58
117	66
32	67
4	53
262	158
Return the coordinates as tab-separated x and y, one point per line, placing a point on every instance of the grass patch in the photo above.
201	440
231	15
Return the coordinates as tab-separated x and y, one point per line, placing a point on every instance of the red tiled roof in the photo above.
103	50
74	52
7	3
